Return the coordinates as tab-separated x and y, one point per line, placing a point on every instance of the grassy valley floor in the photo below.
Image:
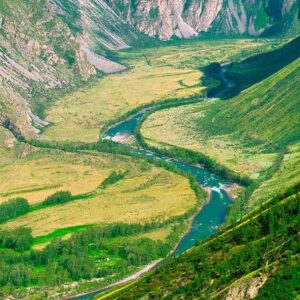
154	74
145	193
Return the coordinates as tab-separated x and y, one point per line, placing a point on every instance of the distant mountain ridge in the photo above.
189	18
52	45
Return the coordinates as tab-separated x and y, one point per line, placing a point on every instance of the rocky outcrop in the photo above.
201	14
156	18
101	63
96	23
247	289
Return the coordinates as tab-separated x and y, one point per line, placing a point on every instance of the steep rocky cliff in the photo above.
50	45
187	18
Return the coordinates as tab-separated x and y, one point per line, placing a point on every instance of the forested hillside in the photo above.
258	257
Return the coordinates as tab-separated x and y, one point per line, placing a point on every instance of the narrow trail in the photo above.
125	280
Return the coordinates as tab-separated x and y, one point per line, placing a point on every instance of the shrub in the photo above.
13	208
113	178
19	239
58	198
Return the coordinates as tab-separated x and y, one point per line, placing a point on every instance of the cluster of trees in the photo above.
13	208
74	259
64	146
19	239
267	240
284	284
19	206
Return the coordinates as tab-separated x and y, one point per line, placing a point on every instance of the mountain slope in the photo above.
268	111
96	22
187	18
37	54
252	258
255	133
46	47
259	67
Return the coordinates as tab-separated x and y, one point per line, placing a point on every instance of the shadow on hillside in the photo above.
253	69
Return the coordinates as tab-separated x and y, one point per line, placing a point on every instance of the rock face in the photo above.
247	289
187	18
52	46
95	21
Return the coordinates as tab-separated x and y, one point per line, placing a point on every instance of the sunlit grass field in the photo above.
80	116
43	173
160	234
154	74
146	194
177	126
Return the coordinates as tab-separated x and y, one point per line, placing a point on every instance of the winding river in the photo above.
212	214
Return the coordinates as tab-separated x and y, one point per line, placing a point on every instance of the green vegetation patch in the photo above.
283	284
113	178
212	267
261	19
58	233
13	208
58	198
106	252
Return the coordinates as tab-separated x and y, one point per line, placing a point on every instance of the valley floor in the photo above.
110	188
154	74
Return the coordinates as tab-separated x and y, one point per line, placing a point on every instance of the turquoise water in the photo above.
213	214
126	127
208	219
